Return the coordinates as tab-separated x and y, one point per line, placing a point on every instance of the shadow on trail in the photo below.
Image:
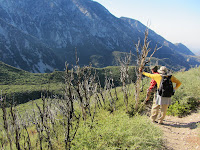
191	125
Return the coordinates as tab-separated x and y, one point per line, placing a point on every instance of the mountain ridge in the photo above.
183	49
62	26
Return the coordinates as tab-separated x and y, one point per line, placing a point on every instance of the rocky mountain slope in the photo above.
41	35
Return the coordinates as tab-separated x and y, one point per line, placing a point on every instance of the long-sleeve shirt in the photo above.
152	83
158	78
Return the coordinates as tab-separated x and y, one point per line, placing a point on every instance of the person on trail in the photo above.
163	96
153	85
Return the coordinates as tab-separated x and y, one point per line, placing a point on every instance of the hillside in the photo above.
106	123
40	36
25	86
13	76
18	79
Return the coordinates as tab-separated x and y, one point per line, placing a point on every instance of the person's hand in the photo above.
140	69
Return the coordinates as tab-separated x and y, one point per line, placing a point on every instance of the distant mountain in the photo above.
24	51
170	55
183	49
41	35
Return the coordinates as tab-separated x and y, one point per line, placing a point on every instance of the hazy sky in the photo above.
178	21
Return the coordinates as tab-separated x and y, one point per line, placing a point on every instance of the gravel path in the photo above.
182	133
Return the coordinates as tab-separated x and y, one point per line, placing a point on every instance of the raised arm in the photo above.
153	76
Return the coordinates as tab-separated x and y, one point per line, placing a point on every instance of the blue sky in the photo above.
178	21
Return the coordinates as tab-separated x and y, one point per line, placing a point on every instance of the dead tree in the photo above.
84	87
108	91
5	120
124	68
44	122
15	125
142	53
27	139
68	110
100	90
37	122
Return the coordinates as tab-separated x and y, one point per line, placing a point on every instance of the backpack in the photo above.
166	87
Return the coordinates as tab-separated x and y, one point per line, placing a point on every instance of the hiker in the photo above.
153	85
163	97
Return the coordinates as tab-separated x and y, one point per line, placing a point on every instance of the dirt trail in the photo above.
182	133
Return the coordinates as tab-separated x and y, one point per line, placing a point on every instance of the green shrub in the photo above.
183	107
192	102
118	131
186	98
178	110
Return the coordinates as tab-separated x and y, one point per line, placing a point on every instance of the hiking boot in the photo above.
160	122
